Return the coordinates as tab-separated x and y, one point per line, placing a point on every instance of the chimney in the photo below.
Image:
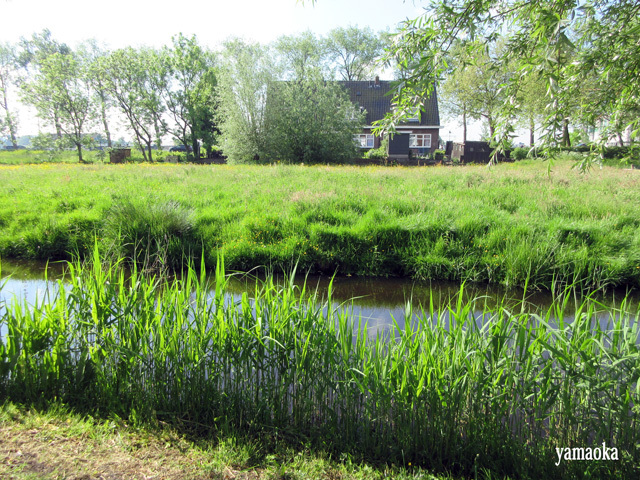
377	81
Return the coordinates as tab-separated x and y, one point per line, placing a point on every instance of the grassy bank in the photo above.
444	393
56	444
501	225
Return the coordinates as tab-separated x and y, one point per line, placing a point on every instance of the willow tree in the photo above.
602	35
136	79
61	93
247	73
190	92
8	67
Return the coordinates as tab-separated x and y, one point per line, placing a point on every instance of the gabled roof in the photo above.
375	97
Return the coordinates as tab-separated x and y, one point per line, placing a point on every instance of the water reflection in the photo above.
377	302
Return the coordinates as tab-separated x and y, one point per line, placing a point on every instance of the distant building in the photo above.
472	152
418	135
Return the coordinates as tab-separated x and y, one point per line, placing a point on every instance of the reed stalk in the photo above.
454	390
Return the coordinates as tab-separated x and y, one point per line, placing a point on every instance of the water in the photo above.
376	301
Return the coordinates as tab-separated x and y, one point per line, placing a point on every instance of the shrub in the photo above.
379	153
376	153
519	153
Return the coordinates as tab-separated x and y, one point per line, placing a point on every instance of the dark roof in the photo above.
376	98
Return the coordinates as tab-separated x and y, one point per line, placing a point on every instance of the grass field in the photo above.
509	224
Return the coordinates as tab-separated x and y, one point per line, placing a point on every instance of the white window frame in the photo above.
420	140
364	140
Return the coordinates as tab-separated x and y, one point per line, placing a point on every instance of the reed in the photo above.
450	392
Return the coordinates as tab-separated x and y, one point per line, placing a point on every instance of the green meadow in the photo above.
511	224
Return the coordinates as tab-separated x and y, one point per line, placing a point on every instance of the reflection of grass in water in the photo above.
436	393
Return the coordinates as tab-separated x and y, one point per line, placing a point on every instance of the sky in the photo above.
120	23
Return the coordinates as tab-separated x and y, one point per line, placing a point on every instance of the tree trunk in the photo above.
532	127
149	144
106	125
620	140
58	127
142	148
195	146
9	119
79	147
464	125
566	140
492	128
12	129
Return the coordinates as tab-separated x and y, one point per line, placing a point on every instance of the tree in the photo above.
311	121
540	34
247	73
61	94
473	85
354	52
190	91
32	55
457	91
94	57
299	54
8	66
532	102
136	79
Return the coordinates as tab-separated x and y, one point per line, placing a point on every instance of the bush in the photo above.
376	153
379	153
519	153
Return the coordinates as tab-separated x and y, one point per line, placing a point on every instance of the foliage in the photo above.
246	75
306	119
380	153
60	91
474	86
519	153
560	43
93	55
136	80
8	67
311	121
190	93
300	54
354	52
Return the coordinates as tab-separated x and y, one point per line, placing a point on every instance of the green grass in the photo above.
507	224
56	443
443	393
28	156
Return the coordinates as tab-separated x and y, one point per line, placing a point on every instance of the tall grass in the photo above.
507	225
449	392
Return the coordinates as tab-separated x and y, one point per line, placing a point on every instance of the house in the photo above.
418	135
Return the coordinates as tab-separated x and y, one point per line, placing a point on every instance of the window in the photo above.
364	140
415	116
420	140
